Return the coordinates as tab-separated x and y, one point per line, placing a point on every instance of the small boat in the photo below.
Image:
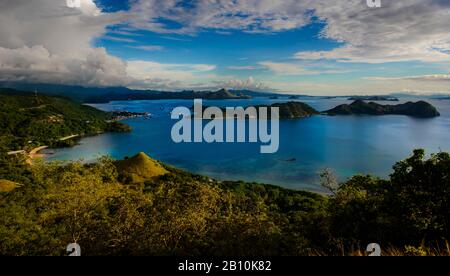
291	160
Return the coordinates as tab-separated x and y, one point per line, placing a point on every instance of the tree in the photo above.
420	195
328	180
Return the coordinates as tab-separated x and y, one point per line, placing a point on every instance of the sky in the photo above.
314	47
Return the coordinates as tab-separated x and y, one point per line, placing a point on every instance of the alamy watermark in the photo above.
374	3
227	125
374	250
73	3
74	250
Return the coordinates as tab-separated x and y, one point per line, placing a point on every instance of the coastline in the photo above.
292	175
35	154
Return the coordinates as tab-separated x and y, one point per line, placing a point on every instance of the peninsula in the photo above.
31	120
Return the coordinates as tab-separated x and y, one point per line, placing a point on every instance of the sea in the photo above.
348	145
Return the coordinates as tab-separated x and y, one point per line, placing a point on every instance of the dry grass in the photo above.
140	168
7	186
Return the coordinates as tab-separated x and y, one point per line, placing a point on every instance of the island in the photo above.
419	109
294	110
374	98
287	111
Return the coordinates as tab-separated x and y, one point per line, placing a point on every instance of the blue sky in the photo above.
291	46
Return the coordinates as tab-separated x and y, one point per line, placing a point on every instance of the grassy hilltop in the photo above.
139	168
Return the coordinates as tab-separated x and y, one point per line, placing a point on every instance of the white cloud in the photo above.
145	70
420	84
148	48
357	88
154	75
37	64
305	87
245	15
286	68
249	83
119	39
242	68
423	78
46	41
125	32
52	24
203	67
294	69
399	31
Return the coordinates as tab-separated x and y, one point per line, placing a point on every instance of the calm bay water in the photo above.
347	144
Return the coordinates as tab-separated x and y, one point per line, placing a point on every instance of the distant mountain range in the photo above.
108	94
374	98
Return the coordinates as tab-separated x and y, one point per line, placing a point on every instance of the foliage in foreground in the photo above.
184	214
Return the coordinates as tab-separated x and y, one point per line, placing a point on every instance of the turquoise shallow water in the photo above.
347	144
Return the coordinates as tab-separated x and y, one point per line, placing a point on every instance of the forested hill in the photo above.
28	120
419	109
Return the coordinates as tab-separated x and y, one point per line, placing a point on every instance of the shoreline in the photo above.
34	154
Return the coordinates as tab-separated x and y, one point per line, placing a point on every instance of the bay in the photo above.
348	144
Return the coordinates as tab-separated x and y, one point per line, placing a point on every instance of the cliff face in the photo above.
419	109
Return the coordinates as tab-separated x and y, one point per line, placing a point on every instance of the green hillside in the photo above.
28	120
183	214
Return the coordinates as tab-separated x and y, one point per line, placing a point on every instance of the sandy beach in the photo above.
34	154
